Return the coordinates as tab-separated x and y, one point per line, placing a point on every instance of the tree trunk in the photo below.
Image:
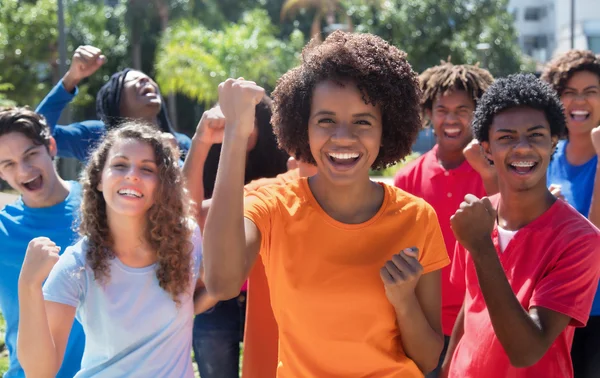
163	13
136	45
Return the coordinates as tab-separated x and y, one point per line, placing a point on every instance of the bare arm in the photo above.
476	158
420	324
202	300
594	215
457	333
231	243
44	329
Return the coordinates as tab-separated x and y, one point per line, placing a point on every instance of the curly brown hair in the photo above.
446	77
168	230
558	72
379	70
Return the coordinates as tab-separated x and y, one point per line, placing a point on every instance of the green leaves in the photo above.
193	60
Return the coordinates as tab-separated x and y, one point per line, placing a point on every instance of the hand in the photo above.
86	61
401	275
556	192
211	127
238	100
41	255
473	222
596	139
476	157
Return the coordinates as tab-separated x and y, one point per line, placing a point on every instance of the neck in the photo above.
519	208
580	149
450	159
59	193
129	239
351	204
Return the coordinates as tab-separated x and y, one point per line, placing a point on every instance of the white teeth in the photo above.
130	192
452	131
524	164
27	182
580	112
344	156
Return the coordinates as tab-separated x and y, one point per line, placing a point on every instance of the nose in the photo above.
24	169
343	133
451	117
522	144
132	174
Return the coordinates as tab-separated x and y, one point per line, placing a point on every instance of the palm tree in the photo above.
324	9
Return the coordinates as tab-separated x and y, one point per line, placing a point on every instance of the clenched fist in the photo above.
238	100
42	254
473	222
476	157
401	275
596	139
211	127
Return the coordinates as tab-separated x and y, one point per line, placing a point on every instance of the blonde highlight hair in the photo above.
168	231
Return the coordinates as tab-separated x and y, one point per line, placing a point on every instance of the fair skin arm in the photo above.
524	334
86	61
44	326
202	300
227	261
594	214
457	333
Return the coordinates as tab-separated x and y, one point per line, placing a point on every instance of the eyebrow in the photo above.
533	128
327	112
24	153
585	89
460	106
126	158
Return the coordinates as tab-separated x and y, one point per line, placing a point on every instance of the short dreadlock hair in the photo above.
560	70
381	73
447	77
514	91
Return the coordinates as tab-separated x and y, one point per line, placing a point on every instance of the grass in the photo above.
3	351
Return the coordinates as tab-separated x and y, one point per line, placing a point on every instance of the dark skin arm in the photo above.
457	333
525	334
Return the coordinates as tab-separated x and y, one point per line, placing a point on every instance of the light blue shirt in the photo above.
133	327
18	225
577	186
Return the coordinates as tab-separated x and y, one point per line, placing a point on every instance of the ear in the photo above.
52	149
99	186
487	152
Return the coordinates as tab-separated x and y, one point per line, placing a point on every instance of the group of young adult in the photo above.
479	261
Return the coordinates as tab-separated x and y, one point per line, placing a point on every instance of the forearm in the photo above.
521	338
420	341
224	236
594	215
203	301
457	333
35	347
70	82
490	181
193	172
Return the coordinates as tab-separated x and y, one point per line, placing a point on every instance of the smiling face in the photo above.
581	100
344	133
129	178
520	145
29	169
140	97
451	116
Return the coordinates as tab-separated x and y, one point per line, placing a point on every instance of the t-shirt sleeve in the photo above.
401	180
433	255
196	251
66	281
569	286
77	140
258	208
457	271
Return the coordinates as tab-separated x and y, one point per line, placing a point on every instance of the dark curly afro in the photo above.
379	70
558	72
513	91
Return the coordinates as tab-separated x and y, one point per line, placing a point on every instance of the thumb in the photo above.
101	60
412	252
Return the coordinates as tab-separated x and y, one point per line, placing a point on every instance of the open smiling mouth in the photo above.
344	159
452	132
130	193
579	115
34	183
523	167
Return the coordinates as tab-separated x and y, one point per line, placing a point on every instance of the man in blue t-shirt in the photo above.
47	206
575	75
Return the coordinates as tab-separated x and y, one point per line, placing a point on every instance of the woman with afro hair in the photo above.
353	265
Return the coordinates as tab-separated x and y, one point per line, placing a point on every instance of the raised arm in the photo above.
594	215
209	131
231	242
85	62
44	327
475	156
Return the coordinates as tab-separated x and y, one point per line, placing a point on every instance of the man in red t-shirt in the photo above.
454	167
529	262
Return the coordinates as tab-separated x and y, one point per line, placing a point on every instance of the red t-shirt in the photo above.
553	262
444	190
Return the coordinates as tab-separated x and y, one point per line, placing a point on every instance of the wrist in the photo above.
404	304
70	81
482	246
200	140
29	285
237	131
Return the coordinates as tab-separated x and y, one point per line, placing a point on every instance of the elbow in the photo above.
220	289
524	360
430	361
33	368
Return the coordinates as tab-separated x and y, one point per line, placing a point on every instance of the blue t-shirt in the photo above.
577	186
18	225
78	139
133	327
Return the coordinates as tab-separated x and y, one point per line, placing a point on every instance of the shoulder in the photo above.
566	220
75	255
412	169
401	201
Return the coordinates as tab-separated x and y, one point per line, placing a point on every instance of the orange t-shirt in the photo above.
282	178
327	296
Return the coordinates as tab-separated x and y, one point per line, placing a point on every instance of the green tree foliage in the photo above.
193	60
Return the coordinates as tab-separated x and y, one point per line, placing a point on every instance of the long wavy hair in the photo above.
167	231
